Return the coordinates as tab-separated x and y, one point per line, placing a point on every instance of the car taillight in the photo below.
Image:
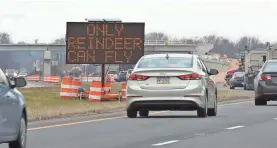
138	77
264	77
193	76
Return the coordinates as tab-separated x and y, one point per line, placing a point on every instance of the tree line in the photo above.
222	45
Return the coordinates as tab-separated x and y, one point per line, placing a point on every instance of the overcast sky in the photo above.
46	20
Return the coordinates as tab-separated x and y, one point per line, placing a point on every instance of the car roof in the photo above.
170	55
272	61
239	72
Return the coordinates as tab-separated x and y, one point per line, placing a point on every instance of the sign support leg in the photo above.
103	75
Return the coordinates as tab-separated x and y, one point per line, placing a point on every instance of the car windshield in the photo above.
162	62
9	71
240	74
112	72
270	67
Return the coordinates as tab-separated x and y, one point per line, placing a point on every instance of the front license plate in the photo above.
163	80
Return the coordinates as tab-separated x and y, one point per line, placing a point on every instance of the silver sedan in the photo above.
171	82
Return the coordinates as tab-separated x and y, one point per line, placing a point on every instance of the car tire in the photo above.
259	102
232	87
213	111
203	112
131	113
21	140
143	113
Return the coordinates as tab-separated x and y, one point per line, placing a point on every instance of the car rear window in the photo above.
162	62
239	74
112	72
270	67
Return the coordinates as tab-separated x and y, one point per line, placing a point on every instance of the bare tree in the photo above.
5	38
156	36
59	41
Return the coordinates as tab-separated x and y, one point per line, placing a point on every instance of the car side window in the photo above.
204	69
3	78
199	64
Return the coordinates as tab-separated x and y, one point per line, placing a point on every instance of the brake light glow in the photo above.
193	76
138	77
264	77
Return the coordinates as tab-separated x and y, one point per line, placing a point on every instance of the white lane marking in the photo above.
200	134
165	143
227	104
275	118
235	127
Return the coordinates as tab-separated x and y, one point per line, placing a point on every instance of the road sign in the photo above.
239	54
104	43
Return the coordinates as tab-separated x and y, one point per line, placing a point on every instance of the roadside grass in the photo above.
45	102
224	95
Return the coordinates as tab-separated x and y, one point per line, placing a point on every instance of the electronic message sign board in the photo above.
104	42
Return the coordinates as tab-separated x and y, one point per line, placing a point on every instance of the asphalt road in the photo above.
238	124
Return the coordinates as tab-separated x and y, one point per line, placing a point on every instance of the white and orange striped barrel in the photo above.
55	79
66	88
33	78
75	85
51	79
95	91
123	93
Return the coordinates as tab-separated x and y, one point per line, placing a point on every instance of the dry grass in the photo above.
45	103
234	95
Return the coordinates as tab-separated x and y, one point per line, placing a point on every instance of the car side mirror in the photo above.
19	82
213	72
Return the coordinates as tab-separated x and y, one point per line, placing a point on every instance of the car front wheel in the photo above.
20	142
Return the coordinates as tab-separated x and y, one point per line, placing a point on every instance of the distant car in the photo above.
265	83
121	76
229	75
237	80
22	75
128	73
171	82
112	72
13	115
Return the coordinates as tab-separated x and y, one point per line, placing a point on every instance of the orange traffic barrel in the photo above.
75	85
66	90
95	91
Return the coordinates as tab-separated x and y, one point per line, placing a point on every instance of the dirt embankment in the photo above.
220	77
